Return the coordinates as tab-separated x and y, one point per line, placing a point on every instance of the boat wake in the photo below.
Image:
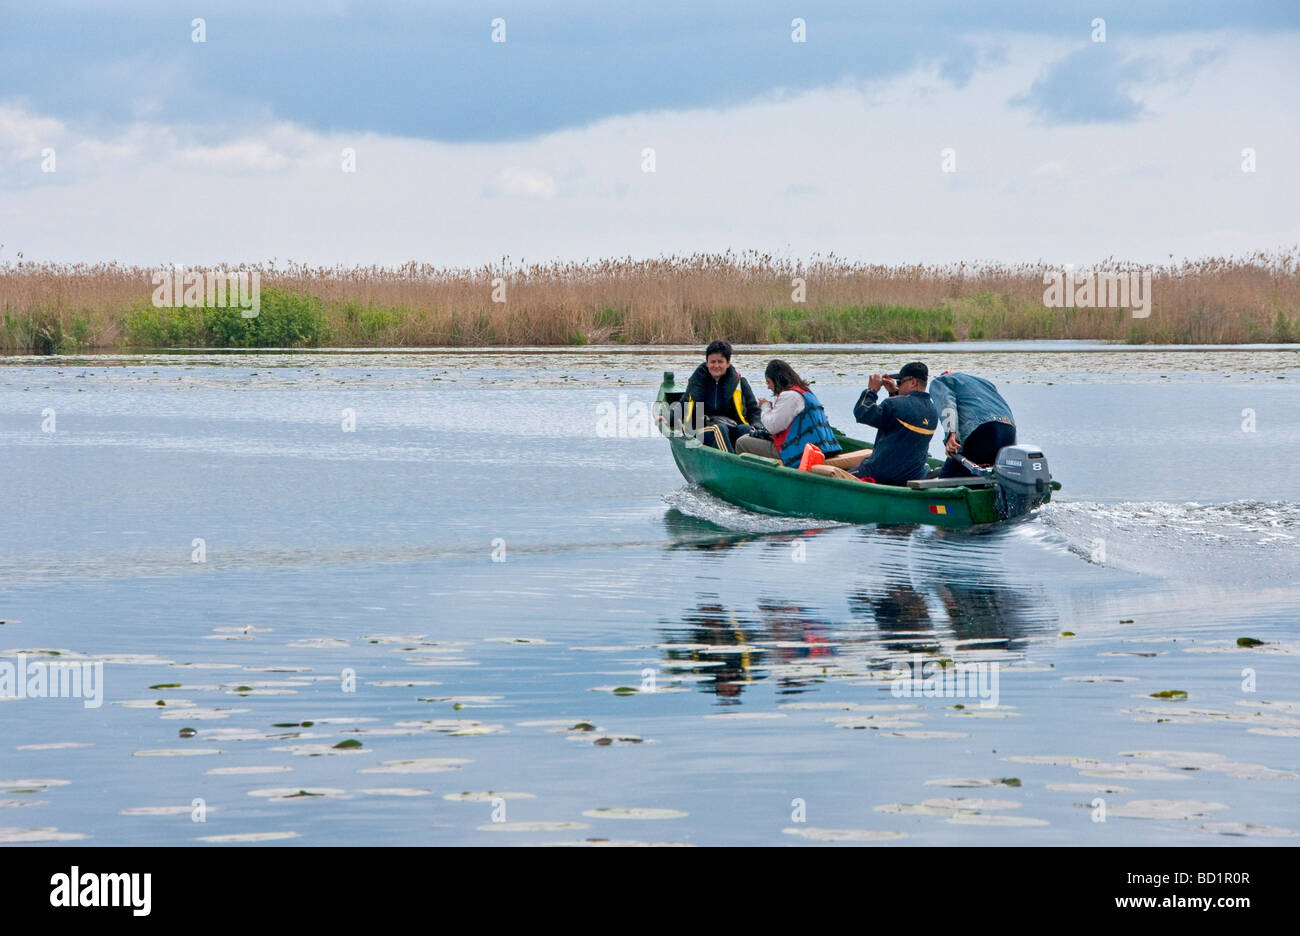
1249	542
699	504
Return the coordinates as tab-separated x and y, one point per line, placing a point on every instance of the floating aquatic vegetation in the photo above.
1136	653
251	770
845	707
248	837
4	803
1173	695
404	683
395	791
154	703
277	668
1249	642
319	643
1002	711
317	750
53	746
970	803
962	782
1089	788
206	665
177	752
174	685
485	796
532	641
633	812
1096	679
1276	732
846	835
928	735
347	743
748	716
180	810
50	834
983	819
394	638
1164	809
1292	708
532	826
616	843
442	663
912	809
418	765
187	732
134	659
30	786
193	714
605	740
451	726
1244	829
877	722
287	793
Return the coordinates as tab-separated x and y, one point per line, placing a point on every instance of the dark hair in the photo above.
783	376
718	347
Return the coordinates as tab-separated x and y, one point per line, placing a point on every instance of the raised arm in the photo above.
869	412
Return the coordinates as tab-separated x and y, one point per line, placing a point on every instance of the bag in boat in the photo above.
812	455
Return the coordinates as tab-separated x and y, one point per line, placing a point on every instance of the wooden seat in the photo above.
926	484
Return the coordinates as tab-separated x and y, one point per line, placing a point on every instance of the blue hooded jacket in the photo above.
966	402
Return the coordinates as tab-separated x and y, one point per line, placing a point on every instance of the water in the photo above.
364	560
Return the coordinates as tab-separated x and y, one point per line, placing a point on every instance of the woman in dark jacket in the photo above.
717	390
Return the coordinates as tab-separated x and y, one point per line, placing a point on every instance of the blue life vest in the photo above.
809	425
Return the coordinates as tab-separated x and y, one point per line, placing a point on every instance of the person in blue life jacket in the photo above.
977	421
794	418
905	423
716	393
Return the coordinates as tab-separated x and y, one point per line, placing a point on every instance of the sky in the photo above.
378	133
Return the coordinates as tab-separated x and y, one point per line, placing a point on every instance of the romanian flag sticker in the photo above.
938	508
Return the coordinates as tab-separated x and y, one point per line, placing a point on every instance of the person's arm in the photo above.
751	412
871	413
778	416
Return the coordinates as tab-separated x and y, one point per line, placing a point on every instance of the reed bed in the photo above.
746	298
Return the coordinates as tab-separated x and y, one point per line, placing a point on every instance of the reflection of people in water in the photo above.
715	626
899	612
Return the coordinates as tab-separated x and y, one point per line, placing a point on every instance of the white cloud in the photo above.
854	170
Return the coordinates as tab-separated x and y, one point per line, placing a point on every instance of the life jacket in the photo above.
809	425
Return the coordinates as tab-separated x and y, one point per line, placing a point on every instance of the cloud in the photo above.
523	183
1087	86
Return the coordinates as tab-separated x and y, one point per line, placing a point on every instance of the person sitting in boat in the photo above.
905	423
795	418
976	420
717	394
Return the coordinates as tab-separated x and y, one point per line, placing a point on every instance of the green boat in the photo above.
1018	483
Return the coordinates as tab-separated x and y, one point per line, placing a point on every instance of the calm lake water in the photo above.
437	555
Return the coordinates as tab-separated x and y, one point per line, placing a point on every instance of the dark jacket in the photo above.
729	397
905	424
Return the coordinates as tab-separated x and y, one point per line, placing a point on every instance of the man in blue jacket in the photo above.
977	422
905	423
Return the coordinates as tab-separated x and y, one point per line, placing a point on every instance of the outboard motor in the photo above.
1021	480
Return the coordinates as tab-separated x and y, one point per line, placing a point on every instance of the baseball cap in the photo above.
915	369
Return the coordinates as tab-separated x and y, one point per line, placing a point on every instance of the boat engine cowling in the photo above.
1021	479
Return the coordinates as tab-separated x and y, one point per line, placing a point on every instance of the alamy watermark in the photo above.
944	679
1067	289
213	290
80	679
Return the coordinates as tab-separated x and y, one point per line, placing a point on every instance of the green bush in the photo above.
284	320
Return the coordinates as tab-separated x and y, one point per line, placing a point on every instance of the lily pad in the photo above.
633	812
845	835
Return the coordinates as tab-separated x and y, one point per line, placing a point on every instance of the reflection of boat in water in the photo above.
731	651
764	485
